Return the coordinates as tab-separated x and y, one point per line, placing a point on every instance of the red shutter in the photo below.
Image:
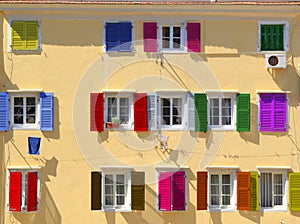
243	190
140	112
96	112
32	180
15	182
201	190
193	37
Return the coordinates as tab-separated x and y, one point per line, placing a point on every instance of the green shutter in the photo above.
24	35
31	35
294	192
200	112
243	112
272	37
137	191
254	206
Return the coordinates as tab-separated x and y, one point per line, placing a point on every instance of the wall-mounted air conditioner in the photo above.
275	60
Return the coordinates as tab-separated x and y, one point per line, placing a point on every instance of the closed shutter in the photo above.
47	111
193	37
3	111
96	112
137	191
32	186
201	190
178	190
266	112
112	37
272	37
243	190
243	112
15	183
152	111
150	37
254	206
96	191
294	192
31	28
125	36
18	35
164	191
140	112
191	109
200	112
280	112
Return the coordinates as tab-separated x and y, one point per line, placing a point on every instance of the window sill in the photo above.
173	51
272	52
116	210
37	51
221	129
273	210
222	210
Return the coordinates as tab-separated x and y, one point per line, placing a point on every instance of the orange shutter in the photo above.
201	190
243	190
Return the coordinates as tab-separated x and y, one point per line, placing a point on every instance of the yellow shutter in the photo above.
254	206
31	35
18	35
294	191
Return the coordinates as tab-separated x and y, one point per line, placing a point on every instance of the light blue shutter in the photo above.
191	109
3	111
152	111
47	111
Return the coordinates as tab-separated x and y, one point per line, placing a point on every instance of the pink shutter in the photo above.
178	190
140	112
96	112
280	112
15	182
193	37
164	191
32	180
266	112
150	37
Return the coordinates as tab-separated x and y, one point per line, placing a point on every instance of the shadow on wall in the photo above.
253	216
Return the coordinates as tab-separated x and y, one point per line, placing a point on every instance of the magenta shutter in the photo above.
266	112
193	37
15	181
164	191
279	112
150	37
178	190
32	191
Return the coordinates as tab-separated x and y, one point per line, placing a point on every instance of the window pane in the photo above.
109	189
214	102
226	189
120	200
214	179
176	43
266	189
30	119
109	200
225	200
226	120
30	101
214	189
124	102
166	37
225	179
120	189
277	178
120	179
278	200
176	31
165	31
18	101
109	179
214	200
278	189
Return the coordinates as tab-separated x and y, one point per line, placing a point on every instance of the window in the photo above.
23	191
171	111
273	36
24	36
172	37
118	36
115	190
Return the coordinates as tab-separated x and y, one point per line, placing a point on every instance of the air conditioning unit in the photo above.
275	61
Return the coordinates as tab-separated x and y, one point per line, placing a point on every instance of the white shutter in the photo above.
191	112
152	111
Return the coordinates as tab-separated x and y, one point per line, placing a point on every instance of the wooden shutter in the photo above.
125	31
193	37
150	37
140	112
3	111
152	111
47	111
200	112
178	190
32	186
243	190
254	206
31	28
266	112
243	112
96	191
280	112
18	35
112	37
272	37
96	112
201	190
294	192
15	188
164	191
137	191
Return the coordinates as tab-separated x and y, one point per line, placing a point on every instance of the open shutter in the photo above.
150	37
201	190
266	112
32	186
112	37
243	112
31	28
243	190
125	30
137	191
178	190
47	111
18	35
152	111
96	191
140	112
193	37
294	192
254	206
164	191
3	111
280	112
191	109
200	112
15	182
96	112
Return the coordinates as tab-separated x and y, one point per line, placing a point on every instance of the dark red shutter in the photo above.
193	37
243	190
150	37
96	112
140	112
32	180
201	190
15	182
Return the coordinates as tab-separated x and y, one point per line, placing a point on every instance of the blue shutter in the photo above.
112	37
125	36
3	111
47	112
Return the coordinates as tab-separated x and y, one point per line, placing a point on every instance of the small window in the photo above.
171	111
115	190
172	37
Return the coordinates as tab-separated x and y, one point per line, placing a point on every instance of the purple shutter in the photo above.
193	37
279	112
150	37
164	191
178	190
266	112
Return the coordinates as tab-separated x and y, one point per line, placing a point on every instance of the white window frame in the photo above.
25	126
220	95
126	171
24	172
9	47
285	38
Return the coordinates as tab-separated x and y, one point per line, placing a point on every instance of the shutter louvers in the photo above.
164	191
191	109
254	206
137	191
193	37
200	112
112	37
96	191
201	190
125	36
280	112
47	111
140	112
294	192
18	35
3	111
15	183
32	200
266	112
96	112
152	111
150	37
178	190
243	112
31	28
243	190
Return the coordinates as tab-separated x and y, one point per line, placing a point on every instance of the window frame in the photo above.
286	29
